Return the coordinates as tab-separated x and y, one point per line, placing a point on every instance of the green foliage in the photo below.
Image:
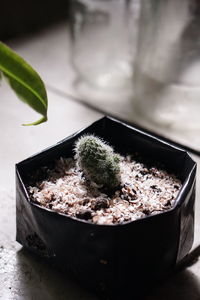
98	161
25	81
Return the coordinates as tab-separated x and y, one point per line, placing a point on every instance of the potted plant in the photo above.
115	259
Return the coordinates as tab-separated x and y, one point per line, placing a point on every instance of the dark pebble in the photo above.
154	187
84	214
85	201
133	197
168	203
100	203
146	211
144	172
134	191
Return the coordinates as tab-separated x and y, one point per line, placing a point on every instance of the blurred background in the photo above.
133	59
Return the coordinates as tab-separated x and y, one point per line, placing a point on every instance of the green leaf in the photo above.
24	80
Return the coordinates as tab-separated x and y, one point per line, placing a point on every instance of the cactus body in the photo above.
98	161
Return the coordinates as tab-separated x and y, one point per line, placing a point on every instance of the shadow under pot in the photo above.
114	259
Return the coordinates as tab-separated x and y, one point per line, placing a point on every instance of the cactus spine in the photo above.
98	161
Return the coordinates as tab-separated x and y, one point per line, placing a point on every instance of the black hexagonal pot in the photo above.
114	259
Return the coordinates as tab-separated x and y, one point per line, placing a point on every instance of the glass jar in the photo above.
103	43
167	70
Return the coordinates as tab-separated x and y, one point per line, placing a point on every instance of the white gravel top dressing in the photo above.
143	191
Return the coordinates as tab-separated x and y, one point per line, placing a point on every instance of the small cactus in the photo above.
98	161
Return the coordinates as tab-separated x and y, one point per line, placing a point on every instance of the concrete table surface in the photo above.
22	275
